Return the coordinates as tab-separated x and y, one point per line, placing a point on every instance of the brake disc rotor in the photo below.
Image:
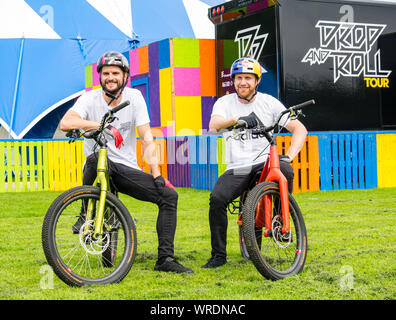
89	243
283	240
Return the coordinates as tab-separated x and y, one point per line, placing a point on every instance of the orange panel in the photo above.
313	157
305	164
208	70
143	60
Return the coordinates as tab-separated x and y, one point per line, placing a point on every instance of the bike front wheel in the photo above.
275	255
82	257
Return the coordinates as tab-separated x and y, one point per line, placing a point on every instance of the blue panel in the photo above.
193	162
325	162
334	145
355	181
143	86
213	163
164	54
370	142
203	162
348	162
361	160
341	158
353	163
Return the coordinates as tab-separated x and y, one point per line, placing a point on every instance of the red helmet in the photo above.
113	58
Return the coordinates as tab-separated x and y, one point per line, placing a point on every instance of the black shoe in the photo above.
77	226
171	265
215	262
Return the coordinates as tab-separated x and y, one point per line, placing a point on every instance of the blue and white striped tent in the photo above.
45	44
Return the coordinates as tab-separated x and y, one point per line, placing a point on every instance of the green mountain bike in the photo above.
103	249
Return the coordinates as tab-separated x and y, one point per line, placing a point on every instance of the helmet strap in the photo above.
113	97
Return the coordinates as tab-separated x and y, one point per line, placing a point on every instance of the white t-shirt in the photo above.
92	106
243	153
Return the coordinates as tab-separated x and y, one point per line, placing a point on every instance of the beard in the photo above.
111	91
245	93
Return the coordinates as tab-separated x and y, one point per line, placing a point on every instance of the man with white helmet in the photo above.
244	157
124	172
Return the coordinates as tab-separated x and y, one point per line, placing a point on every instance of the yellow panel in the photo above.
165	84
50	152
61	169
188	116
386	161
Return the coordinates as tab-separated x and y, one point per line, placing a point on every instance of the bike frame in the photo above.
272	173
102	180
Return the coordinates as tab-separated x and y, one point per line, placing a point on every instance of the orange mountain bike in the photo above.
272	232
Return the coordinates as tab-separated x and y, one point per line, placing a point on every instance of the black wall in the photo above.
347	103
353	32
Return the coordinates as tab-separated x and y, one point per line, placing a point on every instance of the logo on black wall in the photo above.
350	46
250	42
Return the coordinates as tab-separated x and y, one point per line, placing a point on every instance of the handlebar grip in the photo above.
303	105
120	106
240	124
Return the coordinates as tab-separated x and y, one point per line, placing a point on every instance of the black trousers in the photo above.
140	185
228	187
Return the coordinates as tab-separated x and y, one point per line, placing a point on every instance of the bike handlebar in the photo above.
120	106
242	124
303	105
92	134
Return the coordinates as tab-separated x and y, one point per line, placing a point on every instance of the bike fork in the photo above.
101	180
275	175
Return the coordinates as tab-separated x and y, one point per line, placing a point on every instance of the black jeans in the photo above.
228	187
140	185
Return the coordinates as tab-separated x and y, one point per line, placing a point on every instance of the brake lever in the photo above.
73	135
112	119
295	114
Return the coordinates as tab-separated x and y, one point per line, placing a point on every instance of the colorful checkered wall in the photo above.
177	79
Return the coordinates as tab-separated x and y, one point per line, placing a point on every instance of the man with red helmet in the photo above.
244	157
124	172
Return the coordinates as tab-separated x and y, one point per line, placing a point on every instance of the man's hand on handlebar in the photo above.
249	121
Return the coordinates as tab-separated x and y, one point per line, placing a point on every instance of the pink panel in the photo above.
167	131
95	76
187	81
134	62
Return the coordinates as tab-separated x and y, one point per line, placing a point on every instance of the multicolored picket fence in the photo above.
328	161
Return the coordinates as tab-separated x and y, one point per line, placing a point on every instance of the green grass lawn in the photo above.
352	252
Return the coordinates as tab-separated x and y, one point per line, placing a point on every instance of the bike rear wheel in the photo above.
85	259
277	255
